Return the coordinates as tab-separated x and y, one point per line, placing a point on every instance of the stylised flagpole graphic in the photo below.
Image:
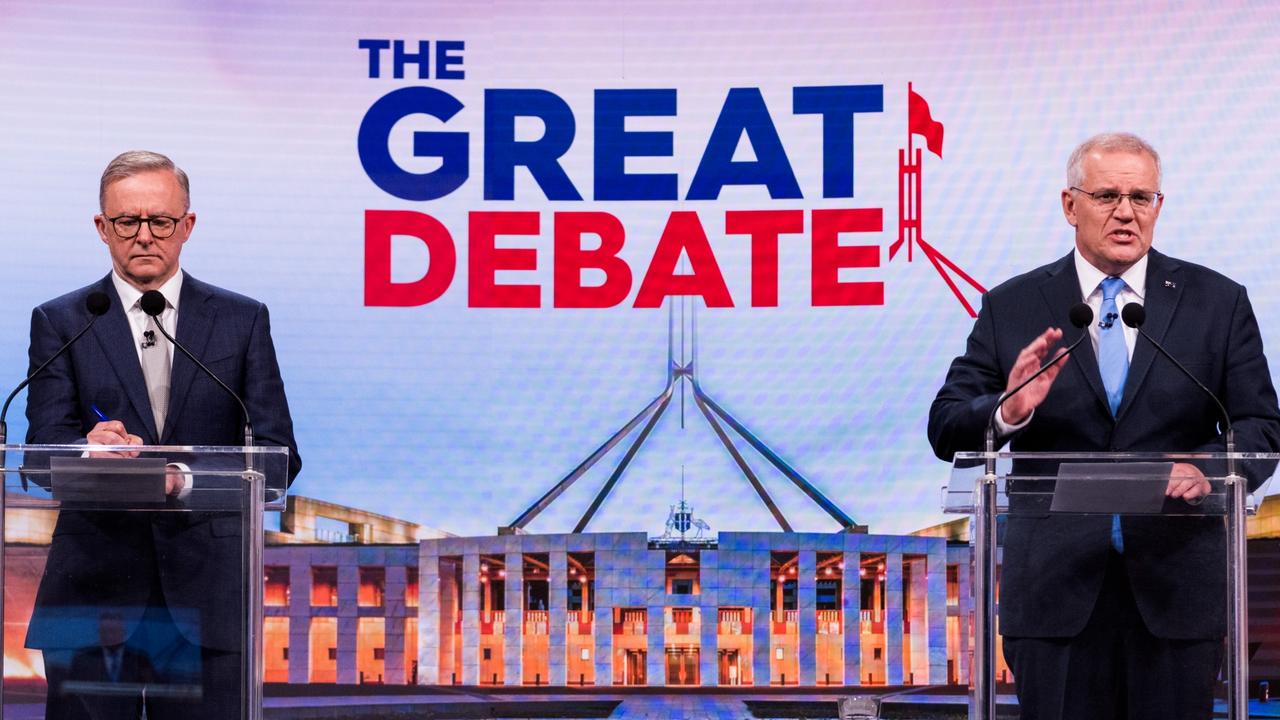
683	369
910	181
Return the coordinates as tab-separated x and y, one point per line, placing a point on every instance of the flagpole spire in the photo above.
910	152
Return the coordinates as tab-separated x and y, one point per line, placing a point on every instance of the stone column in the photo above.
393	667
471	617
851	605
761	616
656	665
937	611
893	617
708	614
649	585
557	615
429	639
807	617
348	622
513	633
299	615
608	595
394	664
603	642
917	611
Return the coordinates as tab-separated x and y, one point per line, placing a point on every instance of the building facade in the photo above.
610	609
341	614
751	609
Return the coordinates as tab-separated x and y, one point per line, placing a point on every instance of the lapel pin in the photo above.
1170	284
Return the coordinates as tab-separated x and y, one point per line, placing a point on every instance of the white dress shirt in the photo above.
139	321
1134	290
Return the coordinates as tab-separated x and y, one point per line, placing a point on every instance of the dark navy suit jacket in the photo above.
1053	565
118	559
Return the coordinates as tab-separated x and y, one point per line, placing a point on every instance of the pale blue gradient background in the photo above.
459	418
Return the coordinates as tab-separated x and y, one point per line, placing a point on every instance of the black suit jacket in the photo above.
1053	565
117	559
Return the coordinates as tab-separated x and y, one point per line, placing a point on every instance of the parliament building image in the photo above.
352	597
614	609
749	609
372	604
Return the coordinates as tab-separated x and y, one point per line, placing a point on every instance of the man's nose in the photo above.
1124	209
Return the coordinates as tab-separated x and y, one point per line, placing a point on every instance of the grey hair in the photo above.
135	162
1109	142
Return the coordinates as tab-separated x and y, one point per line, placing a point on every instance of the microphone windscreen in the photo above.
1133	315
1081	315
97	303
153	302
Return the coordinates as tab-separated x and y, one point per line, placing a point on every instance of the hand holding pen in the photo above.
110	432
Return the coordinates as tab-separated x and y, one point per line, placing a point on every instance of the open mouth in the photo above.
1123	235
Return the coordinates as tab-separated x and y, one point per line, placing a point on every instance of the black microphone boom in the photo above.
153	303
97	303
1134	315
1080	315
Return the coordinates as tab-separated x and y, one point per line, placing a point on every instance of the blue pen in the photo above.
101	415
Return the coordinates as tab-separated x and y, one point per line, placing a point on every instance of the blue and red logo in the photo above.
593	240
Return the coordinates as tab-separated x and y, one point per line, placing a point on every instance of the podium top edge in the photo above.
1105	456
265	450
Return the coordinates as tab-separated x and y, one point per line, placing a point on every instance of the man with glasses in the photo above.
170	577
1107	617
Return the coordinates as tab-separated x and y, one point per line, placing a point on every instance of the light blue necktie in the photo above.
1113	362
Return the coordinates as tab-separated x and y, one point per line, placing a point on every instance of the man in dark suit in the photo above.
171	576
1105	617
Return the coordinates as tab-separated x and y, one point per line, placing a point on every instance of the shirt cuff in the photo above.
188	479
1003	428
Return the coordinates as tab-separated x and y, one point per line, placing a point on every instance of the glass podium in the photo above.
132	578
994	487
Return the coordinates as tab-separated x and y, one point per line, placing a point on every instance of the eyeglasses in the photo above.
1109	199
127	226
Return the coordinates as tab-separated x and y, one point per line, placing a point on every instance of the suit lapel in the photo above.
115	337
196	314
1062	291
1160	302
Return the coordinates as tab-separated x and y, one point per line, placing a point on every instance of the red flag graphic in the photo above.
920	122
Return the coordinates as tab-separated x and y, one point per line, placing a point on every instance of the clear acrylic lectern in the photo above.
993	485
120	590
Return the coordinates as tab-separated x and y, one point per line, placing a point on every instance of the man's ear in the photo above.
185	226
1069	206
104	228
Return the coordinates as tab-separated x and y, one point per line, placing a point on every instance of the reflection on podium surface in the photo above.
109	661
109	678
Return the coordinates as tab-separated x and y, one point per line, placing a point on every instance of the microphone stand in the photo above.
1236	511
249	465
985	554
4	412
252	525
97	304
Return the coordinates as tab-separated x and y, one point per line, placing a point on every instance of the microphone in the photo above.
153	303
1134	315
1080	315
97	303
